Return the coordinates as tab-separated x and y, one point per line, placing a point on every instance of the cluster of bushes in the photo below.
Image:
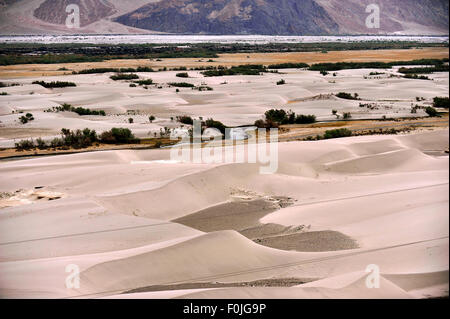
181	84
347	96
182	75
80	139
274	118
281	82
116	70
416	77
337	133
210	123
288	66
118	136
144	82
76	139
82	111
431	111
5	85
54	84
442	102
372	65
204	88
124	76
247	69
27	118
3	93
13	59
185	119
424	70
79	110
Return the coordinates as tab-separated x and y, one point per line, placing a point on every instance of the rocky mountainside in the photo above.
233	17
54	12
274	17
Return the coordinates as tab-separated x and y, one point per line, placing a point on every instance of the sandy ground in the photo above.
341	205
235	100
138	224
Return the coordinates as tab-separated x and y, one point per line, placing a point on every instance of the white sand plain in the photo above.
114	221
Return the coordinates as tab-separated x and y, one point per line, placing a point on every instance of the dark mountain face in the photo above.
277	17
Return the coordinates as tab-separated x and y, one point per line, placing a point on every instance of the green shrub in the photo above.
144	82
118	136
182	75
305	119
347	115
347	96
281	82
182	84
124	76
41	144
25	145
442	102
288	66
210	123
277	116
55	84
185	120
431	111
342	132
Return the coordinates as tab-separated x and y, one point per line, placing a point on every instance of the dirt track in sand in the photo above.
38	70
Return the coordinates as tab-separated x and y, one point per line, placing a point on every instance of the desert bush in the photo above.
343	132
151	118
431	111
124	76
347	96
54	84
25	145
210	123
182	75
144	82
182	84
281	82
288	66
27	118
41	144
185	120
305	119
274	115
118	136
442	102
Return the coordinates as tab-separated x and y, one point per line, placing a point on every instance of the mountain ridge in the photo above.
239	17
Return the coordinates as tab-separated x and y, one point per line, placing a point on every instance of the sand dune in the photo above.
127	219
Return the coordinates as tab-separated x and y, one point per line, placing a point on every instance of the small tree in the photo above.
151	118
130	120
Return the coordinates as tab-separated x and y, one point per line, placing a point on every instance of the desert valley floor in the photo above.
139	225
